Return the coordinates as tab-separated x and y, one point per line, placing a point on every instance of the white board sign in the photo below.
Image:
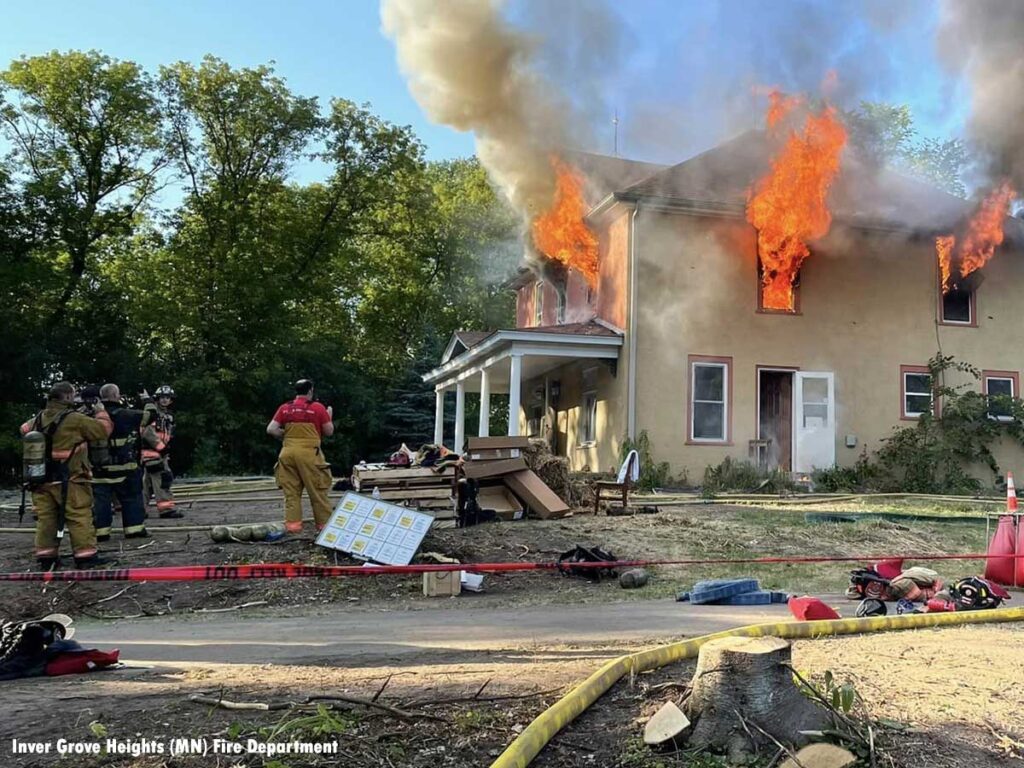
375	530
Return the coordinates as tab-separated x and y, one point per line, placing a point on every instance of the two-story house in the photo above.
673	338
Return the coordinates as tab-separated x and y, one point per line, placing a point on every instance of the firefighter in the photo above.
156	436
121	474
63	495
301	423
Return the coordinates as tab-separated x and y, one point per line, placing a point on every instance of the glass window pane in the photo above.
1000	386
815	415
815	390
708	421
919	383
956	306
708	382
919	404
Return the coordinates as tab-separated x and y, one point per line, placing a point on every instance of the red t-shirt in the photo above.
302	411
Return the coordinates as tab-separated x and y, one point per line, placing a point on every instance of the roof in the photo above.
606	174
721	177
465	339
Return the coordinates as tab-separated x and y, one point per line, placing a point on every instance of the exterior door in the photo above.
814	421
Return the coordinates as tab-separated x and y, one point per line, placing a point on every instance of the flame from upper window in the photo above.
789	207
973	249
561	233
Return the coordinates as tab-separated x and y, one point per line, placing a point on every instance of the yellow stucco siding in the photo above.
868	304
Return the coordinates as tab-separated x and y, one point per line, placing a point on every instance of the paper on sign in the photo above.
375	530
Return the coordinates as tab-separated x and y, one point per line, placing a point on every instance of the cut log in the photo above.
743	686
668	724
821	756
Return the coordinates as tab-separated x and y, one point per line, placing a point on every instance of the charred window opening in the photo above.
560	301
538	303
767	306
958	306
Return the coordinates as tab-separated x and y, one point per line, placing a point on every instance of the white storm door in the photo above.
814	417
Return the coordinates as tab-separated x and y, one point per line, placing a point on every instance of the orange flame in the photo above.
560	233
789	205
779	107
978	244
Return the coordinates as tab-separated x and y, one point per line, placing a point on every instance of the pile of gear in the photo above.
44	647
919	590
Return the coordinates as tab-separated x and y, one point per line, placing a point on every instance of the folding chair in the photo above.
626	481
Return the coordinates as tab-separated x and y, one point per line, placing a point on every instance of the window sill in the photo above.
725	443
761	311
958	324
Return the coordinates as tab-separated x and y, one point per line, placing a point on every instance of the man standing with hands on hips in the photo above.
301	423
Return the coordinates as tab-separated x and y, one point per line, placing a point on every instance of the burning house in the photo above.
772	298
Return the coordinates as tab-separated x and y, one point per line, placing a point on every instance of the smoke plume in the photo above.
470	69
983	38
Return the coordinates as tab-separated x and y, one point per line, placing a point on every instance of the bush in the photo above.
862	476
733	475
652	475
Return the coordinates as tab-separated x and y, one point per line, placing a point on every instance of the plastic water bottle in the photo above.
376	493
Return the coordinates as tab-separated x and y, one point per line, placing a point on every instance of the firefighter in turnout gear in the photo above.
156	436
121	475
301	423
62	495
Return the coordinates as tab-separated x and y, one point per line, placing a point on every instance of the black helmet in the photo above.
164	390
871	607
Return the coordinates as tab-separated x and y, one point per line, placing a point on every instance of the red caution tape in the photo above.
294	571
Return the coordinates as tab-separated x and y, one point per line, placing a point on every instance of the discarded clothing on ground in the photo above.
44	647
587	555
888	580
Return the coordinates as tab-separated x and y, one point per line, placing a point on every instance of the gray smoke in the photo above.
985	40
470	69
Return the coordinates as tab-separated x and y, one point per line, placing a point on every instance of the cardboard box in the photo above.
504	504
490	448
442	583
539	499
480	470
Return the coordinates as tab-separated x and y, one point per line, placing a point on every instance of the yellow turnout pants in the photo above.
302	465
77	519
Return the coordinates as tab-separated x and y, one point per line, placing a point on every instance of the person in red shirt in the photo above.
300	424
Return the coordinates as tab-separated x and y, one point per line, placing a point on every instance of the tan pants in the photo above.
156	483
302	465
77	519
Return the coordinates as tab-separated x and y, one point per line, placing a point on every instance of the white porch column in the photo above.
515	385
485	404
460	416
438	416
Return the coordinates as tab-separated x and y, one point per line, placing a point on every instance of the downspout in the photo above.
631	377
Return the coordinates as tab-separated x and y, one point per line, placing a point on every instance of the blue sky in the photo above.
679	72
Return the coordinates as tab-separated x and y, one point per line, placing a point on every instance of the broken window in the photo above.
917	393
1001	388
588	419
958	306
767	306
538	303
708	406
560	304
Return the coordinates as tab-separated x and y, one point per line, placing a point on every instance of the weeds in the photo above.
733	475
652	474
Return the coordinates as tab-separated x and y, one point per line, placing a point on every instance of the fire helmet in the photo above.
164	390
871	607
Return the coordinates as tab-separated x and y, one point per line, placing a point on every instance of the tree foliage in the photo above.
152	231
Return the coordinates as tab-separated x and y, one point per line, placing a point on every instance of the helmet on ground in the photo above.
164	390
871	607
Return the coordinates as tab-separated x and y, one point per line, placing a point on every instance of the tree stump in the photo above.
744	682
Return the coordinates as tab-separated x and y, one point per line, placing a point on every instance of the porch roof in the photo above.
541	349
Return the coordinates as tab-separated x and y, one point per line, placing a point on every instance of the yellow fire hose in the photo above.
537	734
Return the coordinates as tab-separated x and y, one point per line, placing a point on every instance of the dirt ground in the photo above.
693	532
957	689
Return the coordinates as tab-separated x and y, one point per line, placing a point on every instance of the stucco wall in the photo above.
868	304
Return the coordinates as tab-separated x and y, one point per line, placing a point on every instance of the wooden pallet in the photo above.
364	479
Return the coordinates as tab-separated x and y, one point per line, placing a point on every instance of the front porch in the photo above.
499	363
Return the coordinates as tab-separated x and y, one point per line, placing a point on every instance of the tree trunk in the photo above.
743	684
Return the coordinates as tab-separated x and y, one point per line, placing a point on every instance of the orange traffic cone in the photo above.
1011	494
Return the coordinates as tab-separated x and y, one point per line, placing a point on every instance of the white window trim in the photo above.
724	402
1013	394
931	394
970	310
581	438
538	303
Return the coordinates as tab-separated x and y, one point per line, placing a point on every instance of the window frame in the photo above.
561	302
538	304
587	432
761	309
940	309
912	370
725	363
1012	376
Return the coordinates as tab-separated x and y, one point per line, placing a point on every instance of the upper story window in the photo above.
772	305
916	391
560	300
1001	387
958	306
538	303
